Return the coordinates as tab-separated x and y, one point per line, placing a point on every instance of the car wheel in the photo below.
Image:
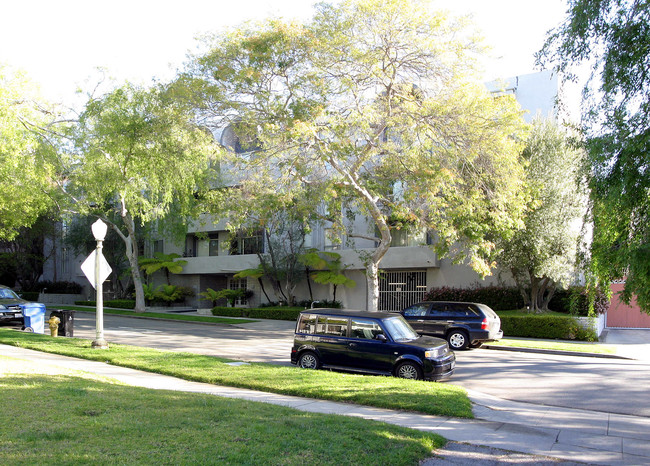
458	340
476	344
308	360
409	370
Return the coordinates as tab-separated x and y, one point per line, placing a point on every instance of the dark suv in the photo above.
462	324
371	342
10	305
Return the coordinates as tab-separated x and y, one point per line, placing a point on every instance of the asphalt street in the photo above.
596	384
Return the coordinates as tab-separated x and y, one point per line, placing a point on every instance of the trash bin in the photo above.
66	326
34	317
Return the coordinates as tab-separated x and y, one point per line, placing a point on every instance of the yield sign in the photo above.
88	268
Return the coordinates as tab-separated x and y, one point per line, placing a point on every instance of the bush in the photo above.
60	287
576	301
275	313
29	295
499	298
546	326
116	303
321	303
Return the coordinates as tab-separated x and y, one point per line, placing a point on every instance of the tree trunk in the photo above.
131	243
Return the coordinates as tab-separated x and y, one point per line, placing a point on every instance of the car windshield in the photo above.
399	329
7	294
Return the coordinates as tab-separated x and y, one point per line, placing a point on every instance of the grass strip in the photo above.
595	348
67	419
158	315
382	392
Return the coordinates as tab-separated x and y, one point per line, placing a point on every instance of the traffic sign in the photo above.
88	268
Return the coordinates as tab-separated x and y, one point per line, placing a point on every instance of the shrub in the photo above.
275	313
116	303
321	303
29	295
578	301
59	287
552	327
499	298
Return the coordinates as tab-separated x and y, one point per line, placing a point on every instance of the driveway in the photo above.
633	343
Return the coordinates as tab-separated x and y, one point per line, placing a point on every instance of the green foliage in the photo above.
327	269
168	263
369	109
58	287
116	303
279	313
546	326
613	38
229	295
542	255
499	298
26	172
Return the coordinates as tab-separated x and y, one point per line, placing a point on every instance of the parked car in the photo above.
463	325
10	305
370	342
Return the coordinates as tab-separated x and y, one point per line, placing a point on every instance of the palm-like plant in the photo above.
169	263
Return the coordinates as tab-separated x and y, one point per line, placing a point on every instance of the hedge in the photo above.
279	313
573	300
546	326
116	303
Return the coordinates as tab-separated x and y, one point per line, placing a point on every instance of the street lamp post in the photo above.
99	232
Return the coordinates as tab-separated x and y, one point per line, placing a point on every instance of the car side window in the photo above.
437	310
333	326
416	310
307	323
364	328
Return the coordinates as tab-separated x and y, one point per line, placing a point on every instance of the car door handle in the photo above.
420	320
351	345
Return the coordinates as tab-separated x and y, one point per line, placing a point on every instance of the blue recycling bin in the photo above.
34	317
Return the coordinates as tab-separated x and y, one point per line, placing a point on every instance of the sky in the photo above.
60	44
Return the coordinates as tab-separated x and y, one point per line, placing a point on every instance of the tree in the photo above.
139	157
373	105
612	37
327	269
24	172
542	255
168	263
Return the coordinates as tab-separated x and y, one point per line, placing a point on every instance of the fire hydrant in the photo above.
54	326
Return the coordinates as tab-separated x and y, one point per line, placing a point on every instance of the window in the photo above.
190	246
307	324
239	284
333	326
250	244
363	328
417	310
332	240
213	245
158	246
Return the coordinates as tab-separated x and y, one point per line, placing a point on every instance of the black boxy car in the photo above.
462	324
370	342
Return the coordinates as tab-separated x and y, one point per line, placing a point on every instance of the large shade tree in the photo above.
543	254
25	175
139	157
374	105
611	38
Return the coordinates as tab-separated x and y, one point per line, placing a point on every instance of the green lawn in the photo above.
383	392
579	347
71	418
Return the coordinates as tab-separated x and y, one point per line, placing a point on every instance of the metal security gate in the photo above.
398	290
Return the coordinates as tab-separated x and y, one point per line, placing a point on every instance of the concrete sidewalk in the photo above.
570	435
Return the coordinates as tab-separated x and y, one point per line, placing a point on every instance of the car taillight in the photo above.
484	324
